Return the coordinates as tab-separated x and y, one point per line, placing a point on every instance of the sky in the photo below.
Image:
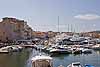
42	15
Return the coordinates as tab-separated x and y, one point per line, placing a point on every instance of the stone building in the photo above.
14	29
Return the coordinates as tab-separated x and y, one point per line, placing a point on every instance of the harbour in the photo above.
23	59
66	59
49	33
61	50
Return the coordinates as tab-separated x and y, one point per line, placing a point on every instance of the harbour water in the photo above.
23	59
16	59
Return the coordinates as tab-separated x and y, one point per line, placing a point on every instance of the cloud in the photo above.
87	17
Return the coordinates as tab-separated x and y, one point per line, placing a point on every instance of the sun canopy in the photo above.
41	58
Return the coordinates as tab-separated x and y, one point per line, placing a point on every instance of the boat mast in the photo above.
71	28
68	27
58	24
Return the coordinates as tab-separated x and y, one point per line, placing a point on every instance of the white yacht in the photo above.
96	47
60	51
87	65
86	50
42	61
75	64
6	49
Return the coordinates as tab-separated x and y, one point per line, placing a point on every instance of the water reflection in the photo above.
93	59
98	52
15	59
23	59
65	59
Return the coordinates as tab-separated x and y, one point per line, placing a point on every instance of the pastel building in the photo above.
14	29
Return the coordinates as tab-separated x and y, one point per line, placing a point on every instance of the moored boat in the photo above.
42	61
75	64
85	50
87	65
96	47
19	47
60	51
6	49
76	51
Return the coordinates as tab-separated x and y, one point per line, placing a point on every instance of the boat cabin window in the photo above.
76	64
42	63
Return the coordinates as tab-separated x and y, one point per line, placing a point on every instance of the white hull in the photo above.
75	64
42	61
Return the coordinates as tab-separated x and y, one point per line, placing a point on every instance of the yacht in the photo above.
87	65
96	47
42	61
6	49
75	64
86	50
60	51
